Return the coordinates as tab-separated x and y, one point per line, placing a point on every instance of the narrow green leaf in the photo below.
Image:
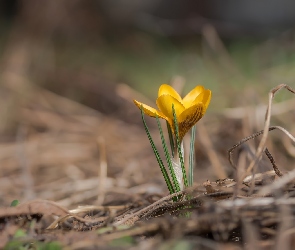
171	140
160	162
168	157
178	143
192	157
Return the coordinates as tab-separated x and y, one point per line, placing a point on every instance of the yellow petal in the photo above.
192	95
166	89
150	111
204	98
164	103
199	99
189	118
207	98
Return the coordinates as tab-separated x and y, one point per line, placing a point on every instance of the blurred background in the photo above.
70	69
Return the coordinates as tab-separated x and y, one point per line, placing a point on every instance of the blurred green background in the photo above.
226	46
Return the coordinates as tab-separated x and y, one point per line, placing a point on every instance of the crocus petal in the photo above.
199	99
190	98
166	89
164	103
188	110
189	118
150	111
207	98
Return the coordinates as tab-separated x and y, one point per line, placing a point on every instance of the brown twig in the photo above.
261	146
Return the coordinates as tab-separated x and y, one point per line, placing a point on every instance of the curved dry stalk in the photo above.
268	154
289	147
261	146
230	151
266	151
286	132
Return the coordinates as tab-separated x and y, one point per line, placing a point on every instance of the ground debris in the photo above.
255	209
208	216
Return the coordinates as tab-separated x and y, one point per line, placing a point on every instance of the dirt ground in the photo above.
86	180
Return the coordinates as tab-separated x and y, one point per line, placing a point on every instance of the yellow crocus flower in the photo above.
189	110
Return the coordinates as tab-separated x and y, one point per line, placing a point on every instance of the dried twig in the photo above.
261	146
268	154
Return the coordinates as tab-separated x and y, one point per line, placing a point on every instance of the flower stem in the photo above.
171	138
179	147
177	169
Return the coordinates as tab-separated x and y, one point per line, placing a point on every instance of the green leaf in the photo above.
168	158
171	140
178	143
156	153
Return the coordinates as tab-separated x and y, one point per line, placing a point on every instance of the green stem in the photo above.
178	143
171	140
